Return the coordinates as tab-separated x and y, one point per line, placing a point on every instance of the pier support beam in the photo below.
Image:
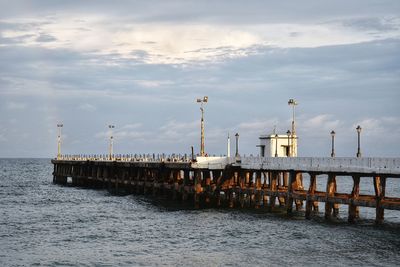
310	204
330	192
273	189
380	188
198	188
353	209
291	186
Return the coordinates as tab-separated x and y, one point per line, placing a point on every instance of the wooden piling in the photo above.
330	192
380	188
353	208
310	195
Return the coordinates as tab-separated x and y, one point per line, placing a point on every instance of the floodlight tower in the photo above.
202	102
111	141
293	103
59	127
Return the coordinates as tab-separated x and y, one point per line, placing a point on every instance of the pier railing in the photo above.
324	164
128	157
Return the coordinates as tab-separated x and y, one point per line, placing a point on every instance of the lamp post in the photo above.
358	134
237	145
288	142
202	101
333	143
111	141
59	127
293	103
276	145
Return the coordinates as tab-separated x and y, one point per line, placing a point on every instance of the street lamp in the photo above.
59	127
237	145
276	145
333	143
111	140
293	103
288	142
358	134
202	101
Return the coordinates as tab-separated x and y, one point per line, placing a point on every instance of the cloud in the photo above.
153	83
379	127
87	107
265	126
132	126
320	123
15	106
45	38
144	70
177	43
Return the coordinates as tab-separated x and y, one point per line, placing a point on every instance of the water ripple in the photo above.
42	224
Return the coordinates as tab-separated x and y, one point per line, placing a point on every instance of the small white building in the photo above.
278	145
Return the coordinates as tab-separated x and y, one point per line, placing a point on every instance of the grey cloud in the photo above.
45	38
371	23
15	40
140	55
211	11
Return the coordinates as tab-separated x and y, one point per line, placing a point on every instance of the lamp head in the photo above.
288	132
292	102
358	129
333	133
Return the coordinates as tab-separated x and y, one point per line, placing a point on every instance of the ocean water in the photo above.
42	224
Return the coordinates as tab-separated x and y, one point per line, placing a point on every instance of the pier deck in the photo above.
251	182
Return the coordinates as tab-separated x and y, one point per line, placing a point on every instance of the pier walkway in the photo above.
244	182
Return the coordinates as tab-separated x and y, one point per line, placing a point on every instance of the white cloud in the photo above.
320	123
131	126
172	43
153	83
87	107
258	126
379	127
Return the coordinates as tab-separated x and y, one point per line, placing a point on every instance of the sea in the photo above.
42	224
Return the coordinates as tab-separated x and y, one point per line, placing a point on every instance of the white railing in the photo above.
128	157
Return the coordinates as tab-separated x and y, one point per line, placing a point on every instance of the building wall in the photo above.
270	144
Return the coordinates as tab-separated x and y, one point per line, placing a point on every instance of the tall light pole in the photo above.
288	142
333	143
276	145
358	134
228	152
202	101
293	103
111	141
59	127
237	145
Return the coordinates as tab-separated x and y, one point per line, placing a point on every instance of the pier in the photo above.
239	182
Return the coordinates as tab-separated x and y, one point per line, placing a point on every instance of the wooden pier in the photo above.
247	182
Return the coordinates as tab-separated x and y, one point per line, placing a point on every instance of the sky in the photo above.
141	65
